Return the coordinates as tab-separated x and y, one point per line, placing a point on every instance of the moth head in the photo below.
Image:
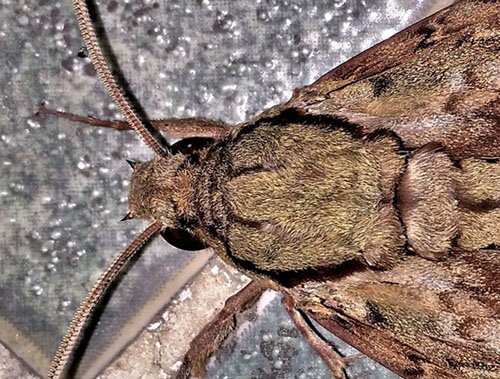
163	190
152	188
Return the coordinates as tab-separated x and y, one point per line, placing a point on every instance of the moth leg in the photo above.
213	335
354	357
175	128
332	358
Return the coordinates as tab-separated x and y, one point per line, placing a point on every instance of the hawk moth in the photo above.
407	271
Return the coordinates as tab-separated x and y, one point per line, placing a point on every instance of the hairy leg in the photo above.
210	339
326	351
213	335
175	128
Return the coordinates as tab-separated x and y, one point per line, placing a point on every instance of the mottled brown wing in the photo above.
436	81
420	319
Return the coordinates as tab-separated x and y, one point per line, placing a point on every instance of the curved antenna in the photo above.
107	78
59	364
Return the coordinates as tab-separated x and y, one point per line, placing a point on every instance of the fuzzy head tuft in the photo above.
152	187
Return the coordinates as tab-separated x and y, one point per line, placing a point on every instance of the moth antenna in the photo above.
107	78
59	364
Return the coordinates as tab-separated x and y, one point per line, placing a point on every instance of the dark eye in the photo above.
182	240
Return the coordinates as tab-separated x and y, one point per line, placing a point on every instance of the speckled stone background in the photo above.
63	187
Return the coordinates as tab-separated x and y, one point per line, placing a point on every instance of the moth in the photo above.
370	200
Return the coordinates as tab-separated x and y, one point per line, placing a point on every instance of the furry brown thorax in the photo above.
294	196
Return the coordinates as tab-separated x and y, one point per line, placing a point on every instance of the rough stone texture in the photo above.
159	348
12	367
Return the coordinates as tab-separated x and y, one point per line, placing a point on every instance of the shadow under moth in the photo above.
370	200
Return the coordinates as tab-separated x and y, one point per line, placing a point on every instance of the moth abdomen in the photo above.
444	205
427	202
